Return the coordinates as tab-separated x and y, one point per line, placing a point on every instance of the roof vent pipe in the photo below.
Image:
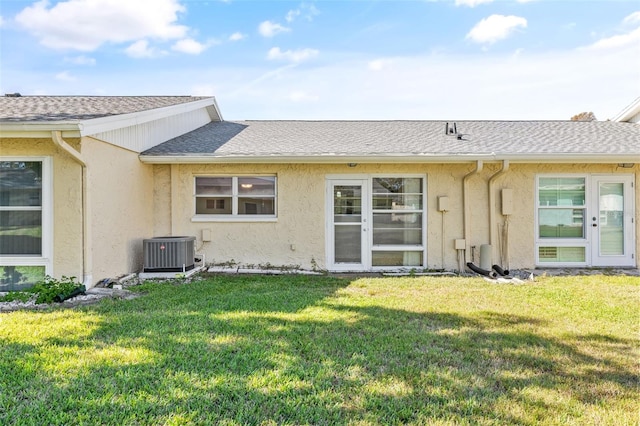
453	130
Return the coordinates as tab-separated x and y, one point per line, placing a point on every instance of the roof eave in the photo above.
39	130
104	124
78	128
386	158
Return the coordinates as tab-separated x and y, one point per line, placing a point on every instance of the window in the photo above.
235	197
561	207
397	204
24	222
561	214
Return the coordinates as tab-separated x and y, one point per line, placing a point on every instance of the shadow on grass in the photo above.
250	351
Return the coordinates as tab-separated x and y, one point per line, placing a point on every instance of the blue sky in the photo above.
339	59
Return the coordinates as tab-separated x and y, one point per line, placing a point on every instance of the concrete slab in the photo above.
169	275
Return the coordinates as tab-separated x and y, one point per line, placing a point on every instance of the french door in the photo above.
611	222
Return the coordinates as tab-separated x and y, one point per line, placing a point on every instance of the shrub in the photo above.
52	290
12	296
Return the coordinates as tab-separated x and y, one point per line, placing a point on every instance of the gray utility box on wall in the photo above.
169	254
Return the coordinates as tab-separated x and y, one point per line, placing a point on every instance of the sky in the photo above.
334	59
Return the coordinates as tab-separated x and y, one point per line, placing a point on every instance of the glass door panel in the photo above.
347	219
348	224
612	221
611	211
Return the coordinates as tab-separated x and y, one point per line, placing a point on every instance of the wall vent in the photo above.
169	254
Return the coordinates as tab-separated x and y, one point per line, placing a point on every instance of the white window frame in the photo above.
234	216
367	260
46	257
562	242
421	248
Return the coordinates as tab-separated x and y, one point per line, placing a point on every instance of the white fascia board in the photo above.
105	124
216	111
39	130
317	159
629	111
387	159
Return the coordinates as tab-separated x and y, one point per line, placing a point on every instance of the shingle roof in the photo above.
379	138
76	108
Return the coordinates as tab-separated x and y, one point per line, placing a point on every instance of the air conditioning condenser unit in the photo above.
169	254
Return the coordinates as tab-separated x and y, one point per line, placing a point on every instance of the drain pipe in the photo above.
87	278
492	204
465	208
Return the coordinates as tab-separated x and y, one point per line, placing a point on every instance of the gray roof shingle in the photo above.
76	108
371	138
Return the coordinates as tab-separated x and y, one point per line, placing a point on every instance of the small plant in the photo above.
52	290
12	296
316	268
266	266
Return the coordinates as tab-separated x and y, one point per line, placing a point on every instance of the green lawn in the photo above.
319	350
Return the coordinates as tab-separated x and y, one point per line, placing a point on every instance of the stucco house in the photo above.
83	180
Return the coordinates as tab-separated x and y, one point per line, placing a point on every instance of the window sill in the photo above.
233	219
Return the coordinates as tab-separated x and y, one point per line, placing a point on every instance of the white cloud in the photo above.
237	36
295	56
203	90
2	21
65	76
189	46
307	10
292	14
81	60
495	28
141	49
631	38
302	96
618	41
502	86
471	3
632	19
270	29
517	53
378	64
86	24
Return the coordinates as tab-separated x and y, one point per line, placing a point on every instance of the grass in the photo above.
320	350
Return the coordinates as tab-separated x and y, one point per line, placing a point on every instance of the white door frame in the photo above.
365	254
597	222
368	211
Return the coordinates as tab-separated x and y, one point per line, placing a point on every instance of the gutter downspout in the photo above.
87	260
492	205
465	208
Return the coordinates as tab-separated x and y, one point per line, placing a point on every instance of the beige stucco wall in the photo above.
67	201
130	201
298	235
121	202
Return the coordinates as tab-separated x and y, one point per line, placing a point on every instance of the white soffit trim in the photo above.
104	124
387	159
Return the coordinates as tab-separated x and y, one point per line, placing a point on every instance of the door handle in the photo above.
595	225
